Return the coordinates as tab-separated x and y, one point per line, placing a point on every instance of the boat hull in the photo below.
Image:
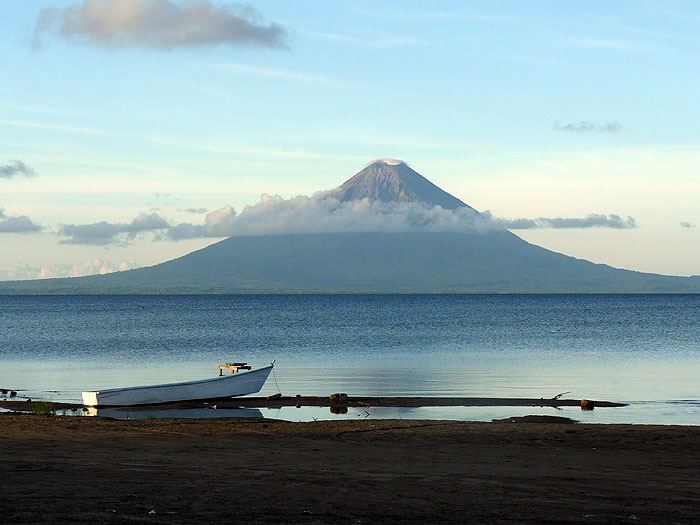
232	385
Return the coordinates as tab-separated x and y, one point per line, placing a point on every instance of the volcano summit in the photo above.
385	230
391	180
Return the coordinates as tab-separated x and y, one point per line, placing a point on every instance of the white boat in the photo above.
236	384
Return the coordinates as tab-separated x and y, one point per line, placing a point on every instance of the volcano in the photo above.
487	260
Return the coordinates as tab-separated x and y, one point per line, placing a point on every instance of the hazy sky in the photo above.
130	131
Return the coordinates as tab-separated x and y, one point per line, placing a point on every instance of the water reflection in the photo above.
635	413
160	413
679	412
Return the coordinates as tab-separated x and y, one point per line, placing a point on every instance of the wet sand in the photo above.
95	470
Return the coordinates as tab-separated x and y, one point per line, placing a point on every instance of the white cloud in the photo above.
21	271
159	24
321	214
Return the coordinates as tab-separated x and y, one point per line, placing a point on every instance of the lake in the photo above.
639	349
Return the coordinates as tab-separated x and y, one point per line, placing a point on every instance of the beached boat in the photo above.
237	384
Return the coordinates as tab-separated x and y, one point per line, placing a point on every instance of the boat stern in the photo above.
90	399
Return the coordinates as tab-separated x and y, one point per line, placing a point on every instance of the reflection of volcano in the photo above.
482	260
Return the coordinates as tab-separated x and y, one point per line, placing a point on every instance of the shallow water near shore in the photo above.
637	349
683	413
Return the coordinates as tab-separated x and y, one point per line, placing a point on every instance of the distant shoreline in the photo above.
262	293
497	262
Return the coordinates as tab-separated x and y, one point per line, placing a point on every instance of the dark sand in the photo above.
94	470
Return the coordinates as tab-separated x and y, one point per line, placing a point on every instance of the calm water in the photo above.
644	350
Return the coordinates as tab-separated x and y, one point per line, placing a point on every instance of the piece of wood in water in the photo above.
233	367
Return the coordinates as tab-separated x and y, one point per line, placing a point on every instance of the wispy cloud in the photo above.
17	224
687	225
16	168
367	41
306	78
159	24
281	74
427	14
57	127
590	221
17	108
612	44
583	126
262	153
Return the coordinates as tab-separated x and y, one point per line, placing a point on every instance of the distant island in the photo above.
484	259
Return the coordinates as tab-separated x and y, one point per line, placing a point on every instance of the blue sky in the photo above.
525	109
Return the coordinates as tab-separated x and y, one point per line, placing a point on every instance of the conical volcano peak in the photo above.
392	180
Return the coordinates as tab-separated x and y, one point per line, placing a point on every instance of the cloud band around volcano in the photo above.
273	215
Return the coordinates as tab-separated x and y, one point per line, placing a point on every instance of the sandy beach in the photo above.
95	470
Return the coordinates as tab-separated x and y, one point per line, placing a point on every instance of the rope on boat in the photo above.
275	378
